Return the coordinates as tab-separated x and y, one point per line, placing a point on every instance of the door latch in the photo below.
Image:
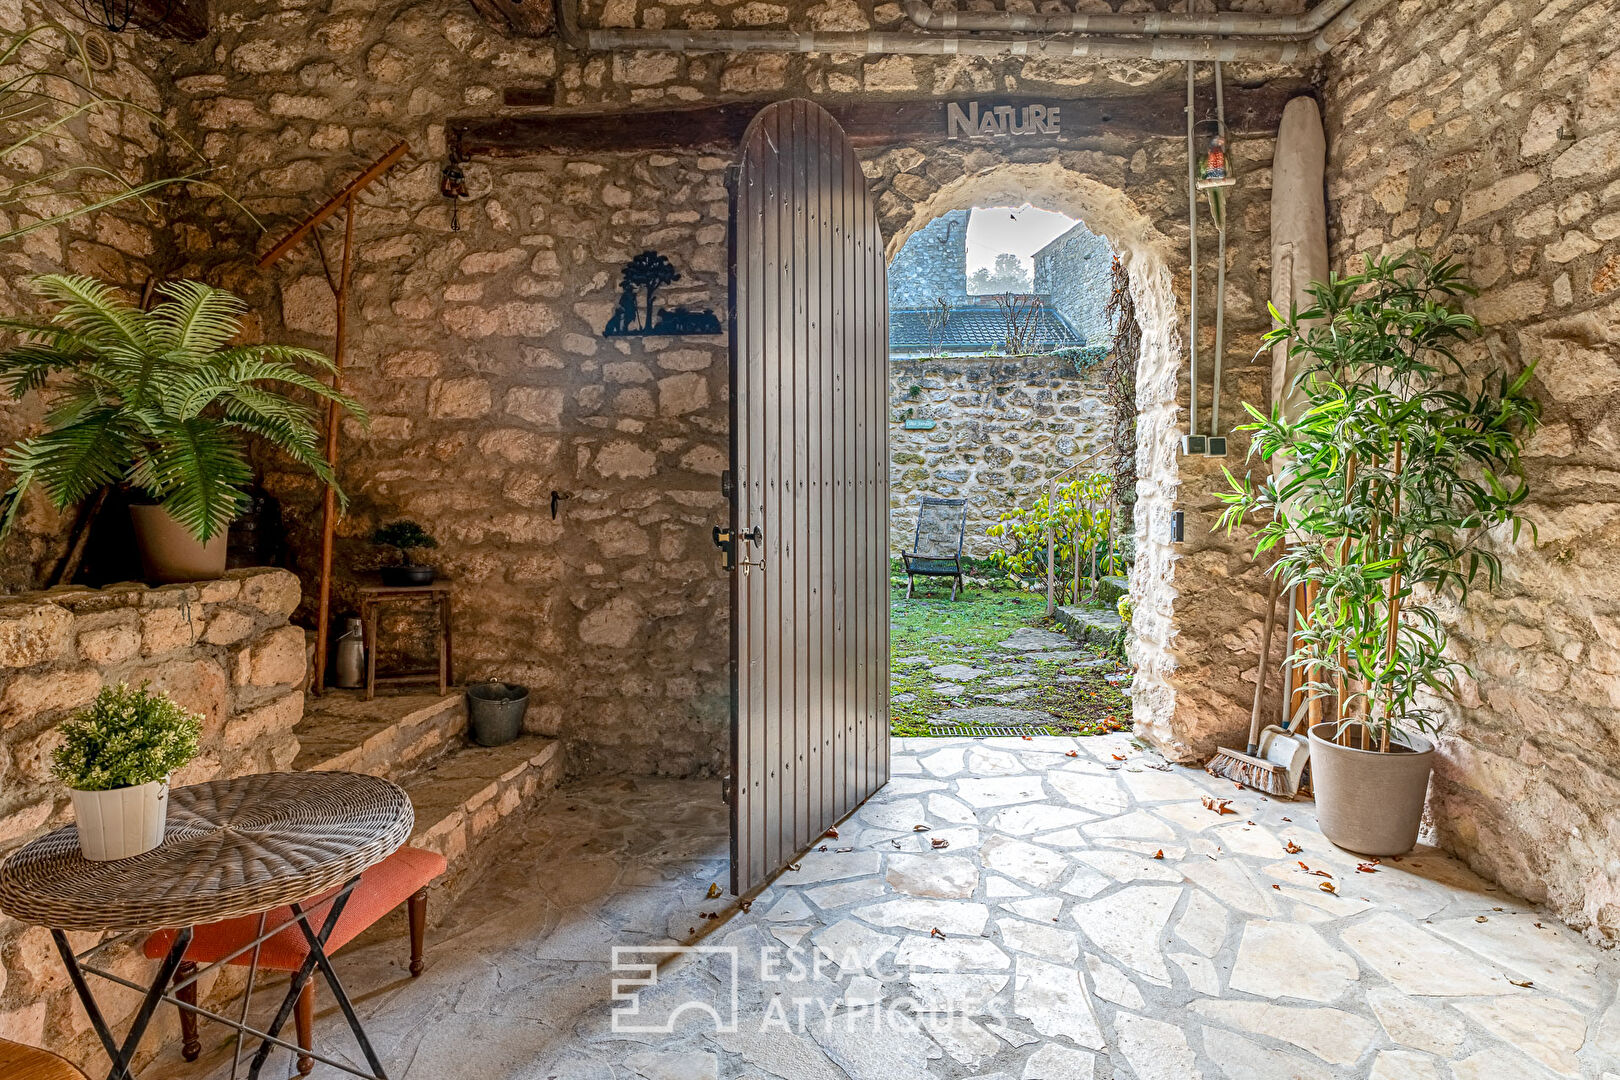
727	543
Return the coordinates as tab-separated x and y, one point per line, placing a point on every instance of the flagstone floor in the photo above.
1086	918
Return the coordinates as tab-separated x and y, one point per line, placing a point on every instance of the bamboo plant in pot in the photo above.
161	401
1400	483
115	758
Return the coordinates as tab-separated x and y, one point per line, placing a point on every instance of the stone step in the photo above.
1110	589
1089	626
386	736
461	791
461	797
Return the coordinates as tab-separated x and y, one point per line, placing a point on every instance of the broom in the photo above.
1250	769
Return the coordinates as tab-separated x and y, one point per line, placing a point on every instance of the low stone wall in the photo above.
221	648
1002	427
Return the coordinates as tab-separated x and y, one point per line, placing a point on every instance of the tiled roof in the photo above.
974	329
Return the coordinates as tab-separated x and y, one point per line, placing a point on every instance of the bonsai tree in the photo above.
1400	476
160	400
404	537
125	738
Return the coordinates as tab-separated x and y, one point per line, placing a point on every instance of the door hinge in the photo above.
728	486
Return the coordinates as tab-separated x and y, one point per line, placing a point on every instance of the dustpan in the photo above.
1288	747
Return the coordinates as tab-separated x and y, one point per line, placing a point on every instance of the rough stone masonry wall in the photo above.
220	648
115	245
1490	129
1077	271
479	351
933	265
1003	426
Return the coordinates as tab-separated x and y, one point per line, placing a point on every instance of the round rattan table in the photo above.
230	848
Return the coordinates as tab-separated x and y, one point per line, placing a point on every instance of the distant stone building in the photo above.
932	313
1074	273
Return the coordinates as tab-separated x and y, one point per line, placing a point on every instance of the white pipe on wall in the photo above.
1147	24
1280	49
1192	260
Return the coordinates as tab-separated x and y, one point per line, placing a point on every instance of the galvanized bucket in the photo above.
495	712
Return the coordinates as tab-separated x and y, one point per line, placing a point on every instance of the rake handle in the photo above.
1260	672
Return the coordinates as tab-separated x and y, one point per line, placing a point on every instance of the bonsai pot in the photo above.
1368	802
169	553
120	823
495	712
409	574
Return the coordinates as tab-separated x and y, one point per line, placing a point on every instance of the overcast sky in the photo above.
1022	230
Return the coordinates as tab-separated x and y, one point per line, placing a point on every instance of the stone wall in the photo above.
117	244
1003	426
480	356
933	264
220	648
1077	271
1490	129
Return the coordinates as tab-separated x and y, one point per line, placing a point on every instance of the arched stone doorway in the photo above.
1143	249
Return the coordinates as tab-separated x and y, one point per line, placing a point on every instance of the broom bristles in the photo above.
1240	768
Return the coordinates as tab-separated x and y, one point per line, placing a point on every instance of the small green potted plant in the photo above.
1398	481
405	537
116	758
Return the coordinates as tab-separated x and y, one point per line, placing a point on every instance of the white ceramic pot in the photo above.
120	823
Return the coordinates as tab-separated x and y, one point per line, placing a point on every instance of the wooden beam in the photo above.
332	205
529	97
531	18
868	123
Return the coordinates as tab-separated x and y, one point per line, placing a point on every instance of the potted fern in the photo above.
1400	481
162	401
115	758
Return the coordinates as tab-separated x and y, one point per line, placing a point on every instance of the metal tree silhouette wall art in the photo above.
644	275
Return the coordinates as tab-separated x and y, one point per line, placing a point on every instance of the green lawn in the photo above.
970	631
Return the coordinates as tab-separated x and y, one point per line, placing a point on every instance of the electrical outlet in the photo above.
1215	446
1178	526
1193	444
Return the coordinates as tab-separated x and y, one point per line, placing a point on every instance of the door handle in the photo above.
727	542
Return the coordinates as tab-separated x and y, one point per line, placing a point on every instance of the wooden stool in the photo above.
403	877
372	599
19	1062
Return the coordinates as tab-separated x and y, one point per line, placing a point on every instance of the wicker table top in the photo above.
232	847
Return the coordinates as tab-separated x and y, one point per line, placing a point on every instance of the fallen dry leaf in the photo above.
1119	757
1277	887
1159	854
1481	918
1072	753
791	866
1027	738
831	834
935	933
842	850
1527	984
746	906
920	828
1292	848
1219	806
714	889
1327	886
940	843
823	847
1367	867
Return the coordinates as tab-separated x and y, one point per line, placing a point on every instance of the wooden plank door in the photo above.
809	490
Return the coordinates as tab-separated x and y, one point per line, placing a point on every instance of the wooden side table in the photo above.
372	600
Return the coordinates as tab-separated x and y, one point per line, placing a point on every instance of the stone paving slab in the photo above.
1087	918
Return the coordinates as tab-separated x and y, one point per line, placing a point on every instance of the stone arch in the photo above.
1071	184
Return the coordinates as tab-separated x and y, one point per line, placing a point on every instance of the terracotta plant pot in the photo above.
1367	802
169	553
121	823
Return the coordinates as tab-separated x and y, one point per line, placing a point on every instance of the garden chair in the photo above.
937	547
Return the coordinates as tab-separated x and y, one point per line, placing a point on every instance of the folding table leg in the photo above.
301	976
317	950
122	1056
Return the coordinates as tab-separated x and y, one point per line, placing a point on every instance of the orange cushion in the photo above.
382	888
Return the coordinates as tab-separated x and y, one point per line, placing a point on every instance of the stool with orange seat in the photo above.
402	878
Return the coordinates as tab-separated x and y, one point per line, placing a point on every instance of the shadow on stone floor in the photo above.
1085	917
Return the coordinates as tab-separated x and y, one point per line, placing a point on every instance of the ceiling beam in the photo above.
529	18
867	123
